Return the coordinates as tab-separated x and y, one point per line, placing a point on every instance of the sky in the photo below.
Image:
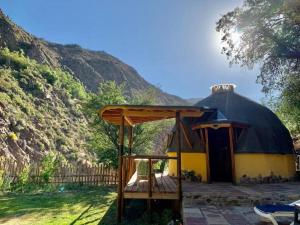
171	43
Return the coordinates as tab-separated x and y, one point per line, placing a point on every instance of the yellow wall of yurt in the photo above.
250	164
253	164
189	161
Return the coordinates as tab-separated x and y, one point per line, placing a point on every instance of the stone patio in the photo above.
227	204
231	215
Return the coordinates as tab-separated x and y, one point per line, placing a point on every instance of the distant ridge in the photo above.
90	67
193	101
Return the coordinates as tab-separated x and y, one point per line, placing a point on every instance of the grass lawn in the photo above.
76	207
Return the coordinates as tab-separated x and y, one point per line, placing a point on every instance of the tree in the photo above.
105	135
269	33
287	105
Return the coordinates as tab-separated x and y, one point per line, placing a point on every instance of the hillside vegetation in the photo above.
49	96
40	111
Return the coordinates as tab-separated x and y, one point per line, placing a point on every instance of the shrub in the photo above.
50	76
191	175
5	181
13	136
17	60
23	179
41	146
1	178
49	166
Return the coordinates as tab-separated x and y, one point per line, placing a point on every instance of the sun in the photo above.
235	37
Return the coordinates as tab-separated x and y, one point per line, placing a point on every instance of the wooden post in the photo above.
149	185
120	189
178	143
207	156
130	135
149	178
231	143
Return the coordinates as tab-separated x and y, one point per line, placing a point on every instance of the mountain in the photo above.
90	67
40	111
193	101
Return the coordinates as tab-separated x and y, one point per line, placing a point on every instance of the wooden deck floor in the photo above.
163	188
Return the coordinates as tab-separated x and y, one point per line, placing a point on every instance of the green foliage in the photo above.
5	181
13	136
49	166
83	207
191	175
49	75
160	166
287	105
29	70
106	135
23	179
269	35
49	102
1	178
15	60
142	168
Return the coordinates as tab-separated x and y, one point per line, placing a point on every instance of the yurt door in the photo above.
219	155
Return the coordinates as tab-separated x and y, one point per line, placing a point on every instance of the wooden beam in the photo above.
150	157
202	137
130	139
231	143
160	114
144	195
178	142
129	121
219	125
120	188
185	134
211	125
207	156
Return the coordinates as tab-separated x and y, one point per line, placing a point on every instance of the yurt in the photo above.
236	138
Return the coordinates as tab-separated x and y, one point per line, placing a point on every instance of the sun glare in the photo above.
235	36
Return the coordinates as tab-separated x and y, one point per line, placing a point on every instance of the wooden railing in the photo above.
129	168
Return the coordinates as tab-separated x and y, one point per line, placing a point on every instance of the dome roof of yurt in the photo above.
265	133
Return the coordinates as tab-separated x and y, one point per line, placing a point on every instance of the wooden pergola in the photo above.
129	116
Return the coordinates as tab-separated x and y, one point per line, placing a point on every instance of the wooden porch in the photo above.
153	185
156	185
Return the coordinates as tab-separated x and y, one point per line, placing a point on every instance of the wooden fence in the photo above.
79	174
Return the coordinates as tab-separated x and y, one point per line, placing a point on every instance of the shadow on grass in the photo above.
82	215
83	207
110	216
136	213
75	207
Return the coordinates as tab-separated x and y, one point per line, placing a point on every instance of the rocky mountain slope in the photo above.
40	111
90	67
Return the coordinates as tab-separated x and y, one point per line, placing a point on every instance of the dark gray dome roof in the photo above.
265	134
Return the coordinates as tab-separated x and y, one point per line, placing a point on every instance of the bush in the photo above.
5	181
160	166
23	179
1	178
17	60
49	166
50	77
13	136
191	175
